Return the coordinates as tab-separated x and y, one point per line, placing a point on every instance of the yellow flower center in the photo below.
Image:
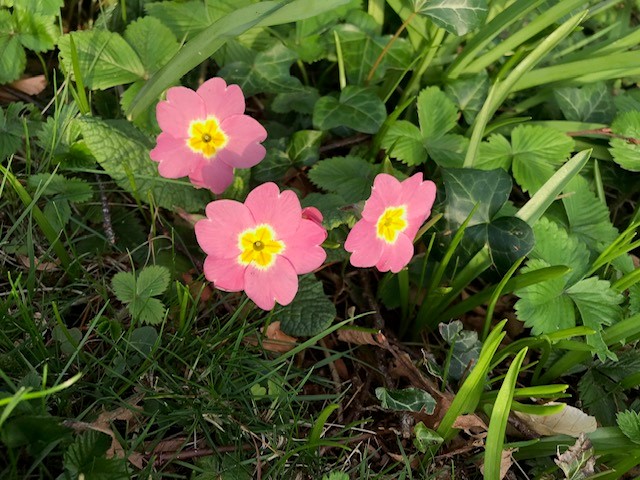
391	223
206	137
259	247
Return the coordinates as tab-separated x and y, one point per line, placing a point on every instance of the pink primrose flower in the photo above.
205	135
391	217
260	246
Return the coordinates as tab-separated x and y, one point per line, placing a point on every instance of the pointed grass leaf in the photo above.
458	17
184	19
350	177
629	423
537	151
310	312
152	41
406	399
625	151
105	58
588	103
357	108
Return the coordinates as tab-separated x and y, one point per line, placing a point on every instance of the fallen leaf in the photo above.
275	340
578	461
506	461
359	337
471	424
31	85
570	421
40	265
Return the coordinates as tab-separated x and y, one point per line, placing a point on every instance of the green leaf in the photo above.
152	41
269	72
105	59
86	458
58	213
302	101
13	58
407	399
50	8
626	153
73	190
275	164
629	423
152	281
537	151
310	312
350	177
11	128
437	114
335	210
336	476
124	286
357	108
465	344
468	187
37	32
123	152
469	93
544	307
304	147
448	151
589	103
136	292
147	310
425	438
184	19
456	16
404	141
494	153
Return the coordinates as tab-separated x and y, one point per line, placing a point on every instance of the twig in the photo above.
195	453
345	142
604	131
106	213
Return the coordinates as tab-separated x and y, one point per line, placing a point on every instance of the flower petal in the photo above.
397	256
225	273
280	210
213	174
385	193
182	106
218	234
313	214
303	248
277	283
418	195
364	245
245	134
175	158
221	100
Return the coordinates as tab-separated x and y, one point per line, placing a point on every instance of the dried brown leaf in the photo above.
358	337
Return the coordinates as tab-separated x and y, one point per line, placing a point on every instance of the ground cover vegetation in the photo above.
319	239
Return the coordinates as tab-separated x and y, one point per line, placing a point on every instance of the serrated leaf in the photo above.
455	16
47	8
437	114
335	210
123	152
73	190
185	19
304	147
469	93
124	286
269	72
448	151
537	152
86	458
58	213
629	422
152	280
310	312
357	108
13	58
494	153
350	177
588	103
152	41
407	399
36	32
104	57
627	100
11	130
147	310
626	153
403	141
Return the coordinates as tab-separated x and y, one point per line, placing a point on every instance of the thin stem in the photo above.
386	48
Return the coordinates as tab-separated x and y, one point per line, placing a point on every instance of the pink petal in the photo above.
385	193
221	101
397	256
280	210
364	245
245	134
418	195
303	249
277	283
213	174
313	214
218	234
176	159
225	273
182	106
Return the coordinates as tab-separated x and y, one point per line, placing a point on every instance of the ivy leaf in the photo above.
537	151
629	422
310	312
152	41
407	399
625	153
469	93
589	103
302	101
350	177
357	108
304	147
465	344
494	153
458	17
123	152
275	164
105	58
335	210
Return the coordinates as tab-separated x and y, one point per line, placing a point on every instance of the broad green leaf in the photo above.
304	147
152	41
147	310
544	307
335	210
123	152
142	340
13	58
36	32
448	151
537	152
105	59
302	101
357	108
11	127
152	281
336	476
310	312
629	422
275	164
124	286
465	344
350	177
269	72
49	8
408	399
73	190
589	103
86	458
625	152
494	153
437	114
425	438
455	16
404	141
467	188
469	93
627	101
58	212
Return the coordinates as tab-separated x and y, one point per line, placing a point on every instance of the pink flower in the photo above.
391	217
205	135
260	246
